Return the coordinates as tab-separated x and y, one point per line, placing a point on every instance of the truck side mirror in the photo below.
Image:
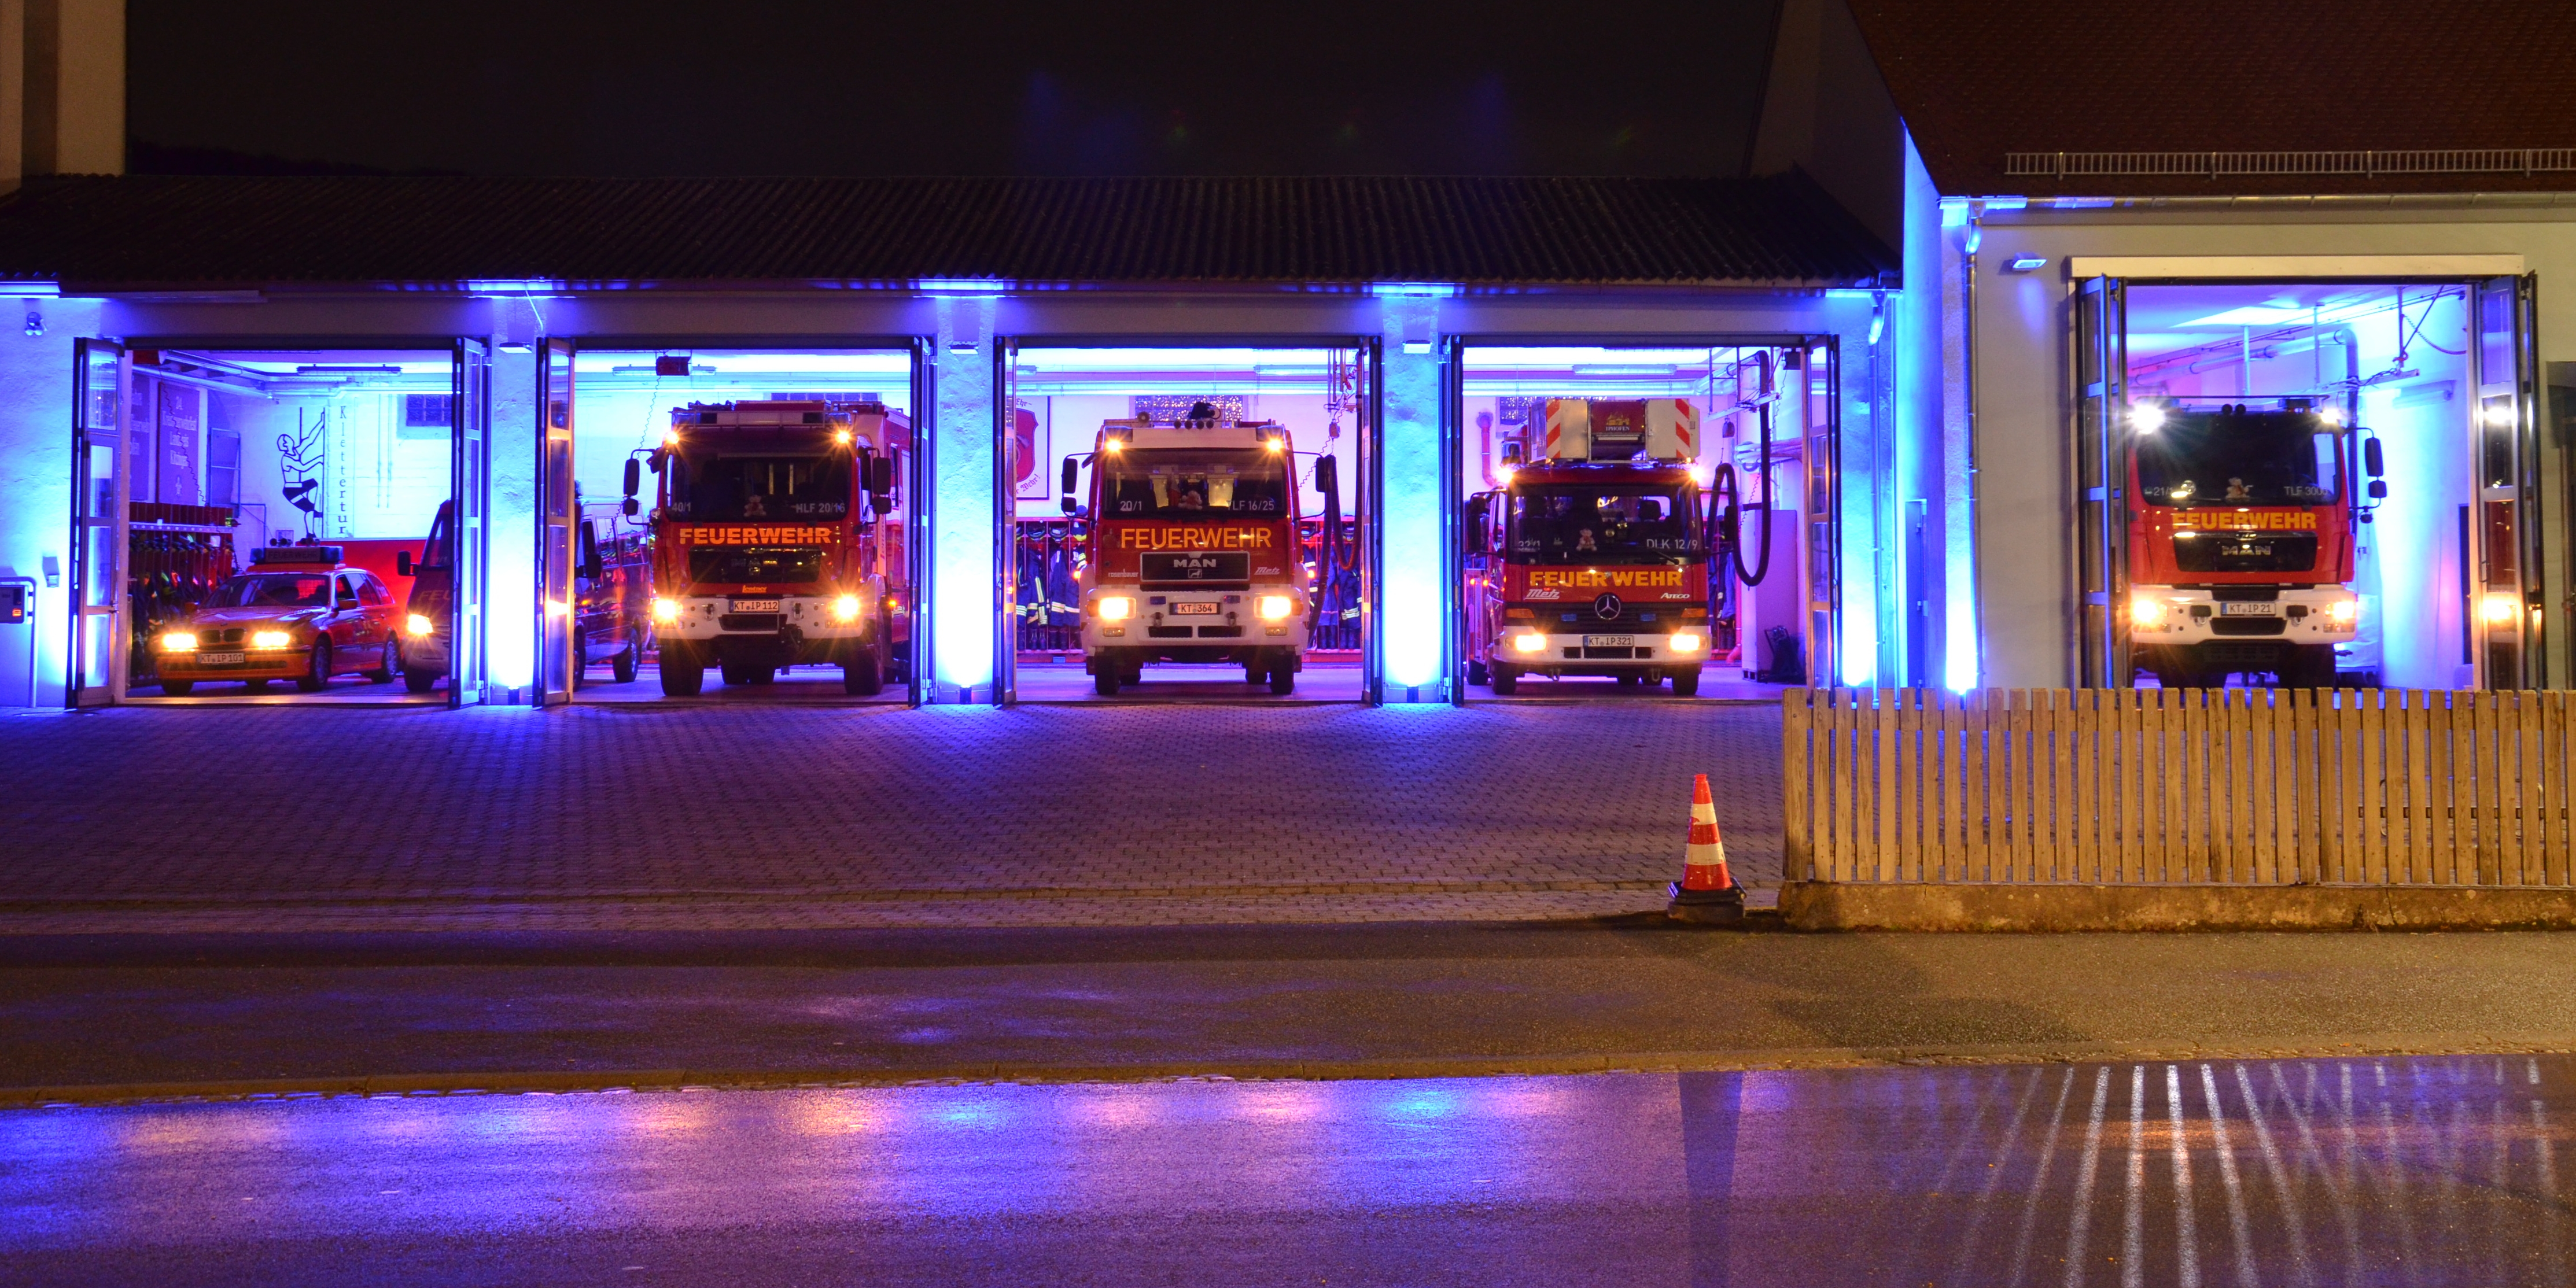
1068	479
402	563
2372	462
2379	489
1479	508
1328	477
634	479
881	475
629	506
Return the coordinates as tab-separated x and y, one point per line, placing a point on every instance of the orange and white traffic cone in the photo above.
1706	892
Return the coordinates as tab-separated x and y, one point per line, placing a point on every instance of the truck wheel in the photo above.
863	677
419	681
2310	666
622	666
177	688
1686	684
1282	680
1105	681
319	673
684	673
1476	672
1506	681
1627	681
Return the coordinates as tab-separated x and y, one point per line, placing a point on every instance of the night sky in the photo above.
948	87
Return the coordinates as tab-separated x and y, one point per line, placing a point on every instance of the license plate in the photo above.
2249	610
1609	641
755	605
219	659
1193	610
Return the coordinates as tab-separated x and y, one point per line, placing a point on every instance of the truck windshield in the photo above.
2226	458
1189	482
753	565
1591	523
730	489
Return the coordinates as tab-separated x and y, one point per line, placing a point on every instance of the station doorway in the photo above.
743	523
279	525
1186	523
1647	518
2307	483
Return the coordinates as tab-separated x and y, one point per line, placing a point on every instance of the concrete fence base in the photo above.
1828	905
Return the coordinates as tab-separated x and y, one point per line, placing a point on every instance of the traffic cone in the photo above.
1706	892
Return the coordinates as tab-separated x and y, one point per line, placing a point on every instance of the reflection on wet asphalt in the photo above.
2318	1172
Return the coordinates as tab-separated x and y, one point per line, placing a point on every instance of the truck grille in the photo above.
1167	632
1220	632
2268	552
751	621
1632	618
2248	626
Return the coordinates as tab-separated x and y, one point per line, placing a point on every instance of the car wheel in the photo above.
178	688
388	661
319	673
622	667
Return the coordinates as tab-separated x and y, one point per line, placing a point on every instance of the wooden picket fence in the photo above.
2232	786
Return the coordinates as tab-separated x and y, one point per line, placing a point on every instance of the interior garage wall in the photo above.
2026	506
36	384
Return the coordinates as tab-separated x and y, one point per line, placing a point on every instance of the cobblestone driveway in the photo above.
676	817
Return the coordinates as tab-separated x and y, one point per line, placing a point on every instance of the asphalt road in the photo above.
2383	1171
89	1016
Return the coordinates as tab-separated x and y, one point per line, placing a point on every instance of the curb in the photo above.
1827	905
1794	1058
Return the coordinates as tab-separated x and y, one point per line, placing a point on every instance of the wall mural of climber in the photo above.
300	458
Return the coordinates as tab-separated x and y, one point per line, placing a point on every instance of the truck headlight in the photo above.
419	627
1685	642
2500	610
1529	643
845	609
1115	608
2146	613
1276	607
665	610
271	639
179	641
2343	612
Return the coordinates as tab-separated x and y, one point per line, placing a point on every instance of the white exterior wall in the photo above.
36	411
2026	507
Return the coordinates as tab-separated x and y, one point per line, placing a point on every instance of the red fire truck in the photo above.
1593	558
2241	548
778	540
1193	551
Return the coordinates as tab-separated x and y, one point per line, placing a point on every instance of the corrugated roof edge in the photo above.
135	234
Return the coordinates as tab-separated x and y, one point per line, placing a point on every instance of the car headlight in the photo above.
179	641
666	610
845	609
1529	643
1115	608
419	627
272	639
1685	642
1276	607
2146	613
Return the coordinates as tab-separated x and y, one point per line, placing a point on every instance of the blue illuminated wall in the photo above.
1932	460
1414	596
963	591
510	592
35	477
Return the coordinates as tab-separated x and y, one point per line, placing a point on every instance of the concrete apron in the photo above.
1827	905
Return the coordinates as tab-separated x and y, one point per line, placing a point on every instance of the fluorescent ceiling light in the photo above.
2252	315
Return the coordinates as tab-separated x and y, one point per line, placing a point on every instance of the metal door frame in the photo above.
544	689
2099	365
1369	444
469	527
87	528
1454	440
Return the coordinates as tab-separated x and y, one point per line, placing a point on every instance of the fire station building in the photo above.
1993	278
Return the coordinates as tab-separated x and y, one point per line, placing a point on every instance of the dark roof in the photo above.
145	232
1977	80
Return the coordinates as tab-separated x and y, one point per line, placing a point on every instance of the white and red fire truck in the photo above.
778	540
1592	558
2241	549
1193	550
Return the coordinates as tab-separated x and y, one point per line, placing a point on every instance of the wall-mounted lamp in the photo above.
35	322
53	570
2025	263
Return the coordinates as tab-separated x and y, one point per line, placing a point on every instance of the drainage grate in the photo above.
2213	165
